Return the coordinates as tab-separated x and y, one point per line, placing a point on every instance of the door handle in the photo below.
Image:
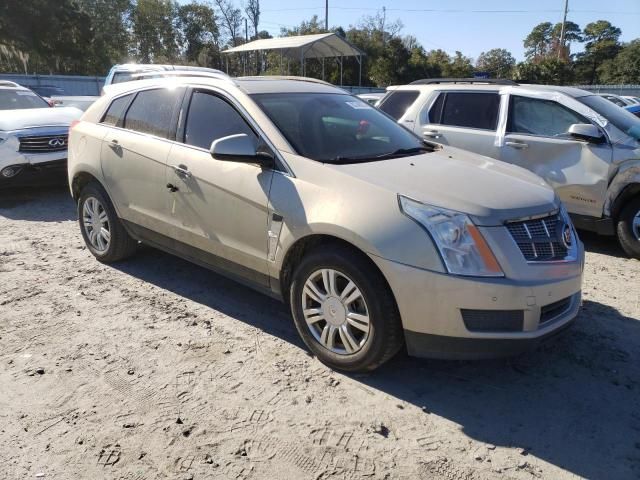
431	134
172	187
517	144
181	171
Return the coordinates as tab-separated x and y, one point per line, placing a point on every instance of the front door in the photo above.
536	138
219	207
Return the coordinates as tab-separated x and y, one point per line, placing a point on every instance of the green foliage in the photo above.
155	30
601	45
199	33
88	36
498	62
624	67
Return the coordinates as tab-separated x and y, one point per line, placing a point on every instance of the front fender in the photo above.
628	174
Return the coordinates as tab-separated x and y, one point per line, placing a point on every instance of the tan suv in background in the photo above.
584	146
374	238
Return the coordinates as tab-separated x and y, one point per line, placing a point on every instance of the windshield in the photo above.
619	117
337	128
20	99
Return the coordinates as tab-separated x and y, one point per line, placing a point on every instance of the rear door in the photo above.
463	119
134	155
536	138
219	207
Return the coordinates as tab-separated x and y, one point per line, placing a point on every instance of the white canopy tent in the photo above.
301	47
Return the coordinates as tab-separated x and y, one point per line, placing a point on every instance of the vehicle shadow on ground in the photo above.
37	204
574	403
603	244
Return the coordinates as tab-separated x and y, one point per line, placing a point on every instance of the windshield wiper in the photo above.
401	152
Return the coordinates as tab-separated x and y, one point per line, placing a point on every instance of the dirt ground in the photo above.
156	368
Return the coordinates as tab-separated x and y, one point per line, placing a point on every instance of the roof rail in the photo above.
490	81
285	77
8	83
181	73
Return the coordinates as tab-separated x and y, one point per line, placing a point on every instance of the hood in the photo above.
38	117
488	190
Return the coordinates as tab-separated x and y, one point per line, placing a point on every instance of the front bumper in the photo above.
453	317
44	173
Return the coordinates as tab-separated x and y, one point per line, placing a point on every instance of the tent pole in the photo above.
340	70
360	73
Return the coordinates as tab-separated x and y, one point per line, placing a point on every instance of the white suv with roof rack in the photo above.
584	146
33	136
137	71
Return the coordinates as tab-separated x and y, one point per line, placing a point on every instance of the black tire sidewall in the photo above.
630	244
368	280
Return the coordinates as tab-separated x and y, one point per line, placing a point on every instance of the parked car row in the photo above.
581	144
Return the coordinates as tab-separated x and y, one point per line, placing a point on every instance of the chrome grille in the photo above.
539	240
43	143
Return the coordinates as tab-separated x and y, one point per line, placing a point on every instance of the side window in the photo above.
534	116
471	110
115	112
210	118
151	112
398	102
435	112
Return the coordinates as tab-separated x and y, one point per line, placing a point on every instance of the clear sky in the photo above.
471	26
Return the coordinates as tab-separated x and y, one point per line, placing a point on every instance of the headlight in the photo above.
462	246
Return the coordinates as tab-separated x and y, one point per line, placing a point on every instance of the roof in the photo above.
320	45
152	67
249	85
570	91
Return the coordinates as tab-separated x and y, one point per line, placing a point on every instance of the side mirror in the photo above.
241	148
587	132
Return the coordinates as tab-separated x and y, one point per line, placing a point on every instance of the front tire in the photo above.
102	230
628	228
344	310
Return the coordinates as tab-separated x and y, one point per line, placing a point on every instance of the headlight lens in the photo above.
462	246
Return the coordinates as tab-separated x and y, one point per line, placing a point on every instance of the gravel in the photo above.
157	368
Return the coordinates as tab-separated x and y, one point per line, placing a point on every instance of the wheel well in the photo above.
629	192
307	244
80	180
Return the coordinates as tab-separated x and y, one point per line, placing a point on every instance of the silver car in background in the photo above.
374	238
581	144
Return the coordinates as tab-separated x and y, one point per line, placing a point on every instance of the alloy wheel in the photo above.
96	224
335	311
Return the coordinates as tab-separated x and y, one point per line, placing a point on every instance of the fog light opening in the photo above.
9	172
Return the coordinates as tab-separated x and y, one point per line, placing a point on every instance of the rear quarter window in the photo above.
398	102
152	112
114	115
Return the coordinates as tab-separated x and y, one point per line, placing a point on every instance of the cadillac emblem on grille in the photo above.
57	142
566	235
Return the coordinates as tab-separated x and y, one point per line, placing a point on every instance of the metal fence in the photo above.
631	90
79	85
72	85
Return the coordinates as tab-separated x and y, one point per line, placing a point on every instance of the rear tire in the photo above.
344	310
102	230
628	228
